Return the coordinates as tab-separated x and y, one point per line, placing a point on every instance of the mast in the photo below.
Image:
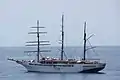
38	49
62	47
38	42
84	41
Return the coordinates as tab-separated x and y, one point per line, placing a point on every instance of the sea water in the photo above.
13	71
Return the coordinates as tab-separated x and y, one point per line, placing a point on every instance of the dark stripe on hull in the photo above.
95	70
54	72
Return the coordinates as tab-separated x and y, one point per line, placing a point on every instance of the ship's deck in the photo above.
68	61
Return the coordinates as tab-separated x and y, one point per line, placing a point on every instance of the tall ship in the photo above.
59	65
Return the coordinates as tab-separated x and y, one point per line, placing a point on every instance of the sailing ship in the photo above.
61	65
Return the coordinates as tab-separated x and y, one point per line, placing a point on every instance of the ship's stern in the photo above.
93	68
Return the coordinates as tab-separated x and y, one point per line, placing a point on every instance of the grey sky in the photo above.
102	16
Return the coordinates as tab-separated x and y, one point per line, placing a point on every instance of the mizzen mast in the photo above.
84	41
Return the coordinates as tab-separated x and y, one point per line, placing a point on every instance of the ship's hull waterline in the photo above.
63	68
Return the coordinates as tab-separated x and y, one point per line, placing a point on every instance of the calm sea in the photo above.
12	71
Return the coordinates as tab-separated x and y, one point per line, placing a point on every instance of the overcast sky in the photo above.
102	16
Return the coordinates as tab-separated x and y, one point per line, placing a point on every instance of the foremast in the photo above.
39	42
38	49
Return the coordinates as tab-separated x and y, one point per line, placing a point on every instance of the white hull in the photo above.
75	68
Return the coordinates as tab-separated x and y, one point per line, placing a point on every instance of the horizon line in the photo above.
70	46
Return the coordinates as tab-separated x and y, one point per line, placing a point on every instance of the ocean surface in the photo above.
13	71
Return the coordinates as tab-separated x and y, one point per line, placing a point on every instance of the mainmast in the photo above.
84	41
62	47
